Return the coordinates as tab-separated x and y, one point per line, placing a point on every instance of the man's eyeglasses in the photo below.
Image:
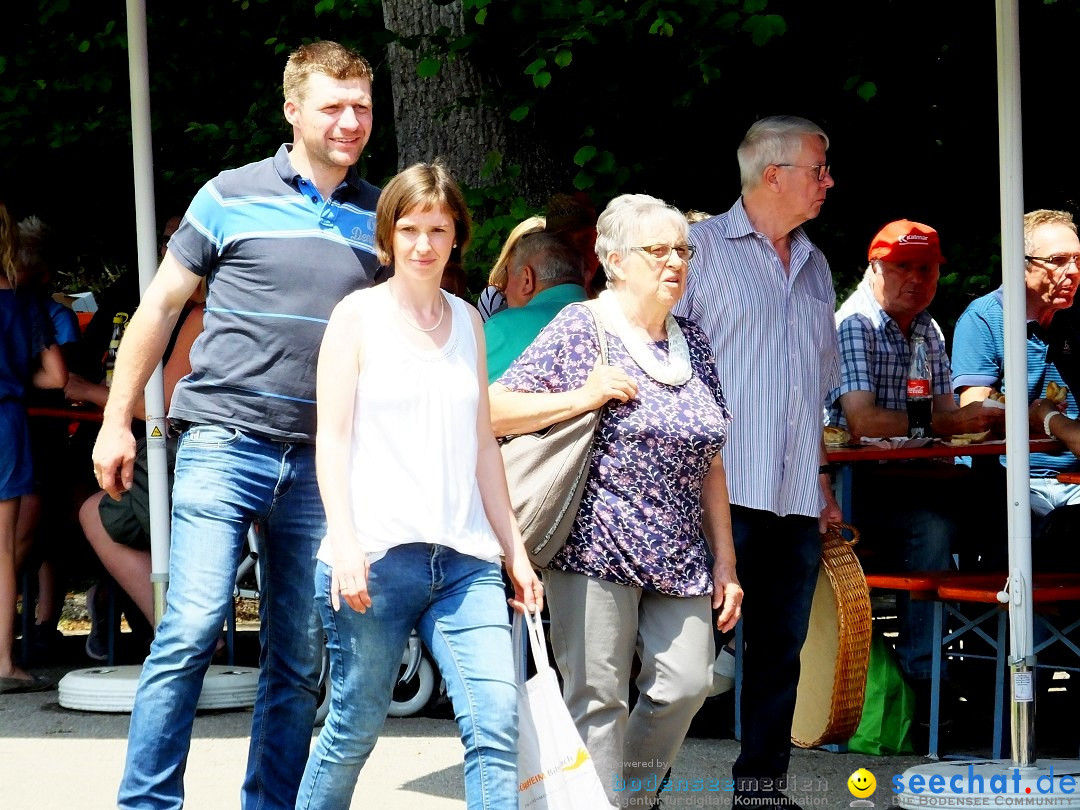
821	168
662	252
1059	262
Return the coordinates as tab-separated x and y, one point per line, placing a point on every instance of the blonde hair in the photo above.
328	58
9	246
500	273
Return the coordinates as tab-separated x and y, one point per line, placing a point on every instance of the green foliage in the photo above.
215	95
550	54
495	210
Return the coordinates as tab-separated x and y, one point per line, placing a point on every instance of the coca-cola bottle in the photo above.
920	397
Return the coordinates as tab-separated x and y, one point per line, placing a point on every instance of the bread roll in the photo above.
1056	393
836	436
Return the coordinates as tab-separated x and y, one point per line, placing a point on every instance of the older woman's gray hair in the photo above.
626	218
772	140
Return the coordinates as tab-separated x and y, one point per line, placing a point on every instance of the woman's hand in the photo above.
727	596
605	383
349	578
528	590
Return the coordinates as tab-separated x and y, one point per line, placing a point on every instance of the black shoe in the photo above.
768	799
48	645
97	609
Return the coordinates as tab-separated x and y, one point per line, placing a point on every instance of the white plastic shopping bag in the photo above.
555	772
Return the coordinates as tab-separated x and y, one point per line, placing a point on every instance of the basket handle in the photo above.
835	532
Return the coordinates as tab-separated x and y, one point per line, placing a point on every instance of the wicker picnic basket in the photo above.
837	649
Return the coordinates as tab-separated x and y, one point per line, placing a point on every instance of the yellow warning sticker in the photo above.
155	433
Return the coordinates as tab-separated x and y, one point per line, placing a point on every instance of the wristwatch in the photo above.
826	469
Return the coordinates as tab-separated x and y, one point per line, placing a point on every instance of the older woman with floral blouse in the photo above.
651	554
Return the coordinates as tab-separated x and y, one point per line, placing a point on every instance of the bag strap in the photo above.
531	626
601	332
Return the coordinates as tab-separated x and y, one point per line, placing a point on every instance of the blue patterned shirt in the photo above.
875	354
774	340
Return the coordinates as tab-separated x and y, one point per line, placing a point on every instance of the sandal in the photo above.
35	683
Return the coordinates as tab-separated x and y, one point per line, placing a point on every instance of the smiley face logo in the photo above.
861	783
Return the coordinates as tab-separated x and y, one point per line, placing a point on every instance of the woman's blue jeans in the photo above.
225	479
458	606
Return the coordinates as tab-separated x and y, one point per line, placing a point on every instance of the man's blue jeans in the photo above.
224	480
458	606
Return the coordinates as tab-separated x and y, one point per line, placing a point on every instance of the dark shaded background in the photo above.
923	147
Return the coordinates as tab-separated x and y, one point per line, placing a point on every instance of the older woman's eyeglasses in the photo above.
662	252
822	169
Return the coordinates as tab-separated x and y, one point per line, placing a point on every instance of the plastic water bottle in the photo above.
920	397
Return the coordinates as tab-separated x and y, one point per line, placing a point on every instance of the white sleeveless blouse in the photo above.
413	458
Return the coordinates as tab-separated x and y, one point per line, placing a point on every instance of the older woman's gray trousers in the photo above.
596	627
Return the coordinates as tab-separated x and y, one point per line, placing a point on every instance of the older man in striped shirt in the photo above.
763	293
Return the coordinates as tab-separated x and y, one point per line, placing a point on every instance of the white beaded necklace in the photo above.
676	371
409	321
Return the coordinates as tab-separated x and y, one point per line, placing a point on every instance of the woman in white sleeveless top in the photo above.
417	508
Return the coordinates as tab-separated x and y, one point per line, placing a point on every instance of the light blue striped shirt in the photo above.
774	339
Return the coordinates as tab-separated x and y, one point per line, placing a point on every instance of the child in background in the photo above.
25	334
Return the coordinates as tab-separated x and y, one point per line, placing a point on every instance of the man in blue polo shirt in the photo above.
1052	252
280	242
546	274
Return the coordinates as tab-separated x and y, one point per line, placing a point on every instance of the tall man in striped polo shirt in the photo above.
280	242
763	293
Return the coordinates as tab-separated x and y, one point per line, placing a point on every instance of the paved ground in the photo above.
53	758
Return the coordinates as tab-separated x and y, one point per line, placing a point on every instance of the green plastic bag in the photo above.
889	709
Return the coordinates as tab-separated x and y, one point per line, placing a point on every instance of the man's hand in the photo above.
830	516
80	389
973	418
114	459
1038	411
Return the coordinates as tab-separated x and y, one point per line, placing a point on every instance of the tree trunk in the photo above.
454	114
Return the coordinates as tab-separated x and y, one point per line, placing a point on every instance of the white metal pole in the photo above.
146	239
1010	141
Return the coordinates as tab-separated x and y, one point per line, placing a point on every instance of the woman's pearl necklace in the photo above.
409	321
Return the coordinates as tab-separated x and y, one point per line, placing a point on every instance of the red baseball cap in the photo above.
906	241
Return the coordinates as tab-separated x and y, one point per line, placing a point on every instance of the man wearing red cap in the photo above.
876	326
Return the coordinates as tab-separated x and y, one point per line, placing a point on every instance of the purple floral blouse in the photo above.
640	518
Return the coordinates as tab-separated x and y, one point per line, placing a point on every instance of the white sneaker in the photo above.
723	672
